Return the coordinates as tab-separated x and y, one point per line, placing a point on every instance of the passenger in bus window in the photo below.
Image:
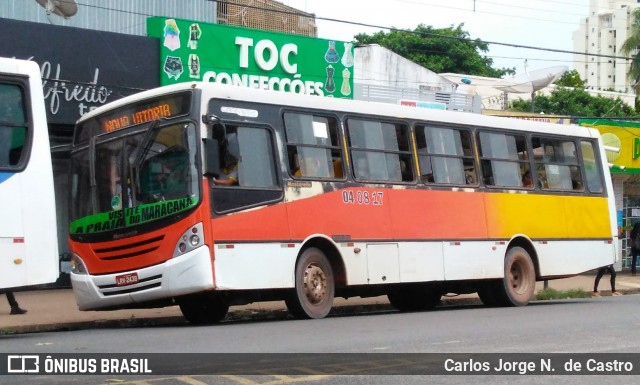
229	171
526	179
576	178
15	308
313	167
337	168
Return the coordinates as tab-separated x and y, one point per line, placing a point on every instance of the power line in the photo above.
497	13
368	25
428	34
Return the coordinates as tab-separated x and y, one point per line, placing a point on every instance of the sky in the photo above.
537	23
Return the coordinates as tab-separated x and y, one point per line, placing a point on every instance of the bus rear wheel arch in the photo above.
314	286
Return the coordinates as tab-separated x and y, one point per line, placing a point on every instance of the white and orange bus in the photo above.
208	196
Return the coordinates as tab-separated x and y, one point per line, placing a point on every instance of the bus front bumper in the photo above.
189	273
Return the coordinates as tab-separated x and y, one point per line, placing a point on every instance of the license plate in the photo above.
126	279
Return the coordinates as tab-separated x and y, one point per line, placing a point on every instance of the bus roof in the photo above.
348	105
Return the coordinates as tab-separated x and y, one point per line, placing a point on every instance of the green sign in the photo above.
119	219
194	51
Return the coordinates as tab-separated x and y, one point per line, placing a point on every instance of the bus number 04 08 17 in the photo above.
361	197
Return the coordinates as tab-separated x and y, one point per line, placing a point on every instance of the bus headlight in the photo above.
189	240
77	265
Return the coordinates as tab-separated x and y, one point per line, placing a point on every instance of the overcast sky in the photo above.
538	23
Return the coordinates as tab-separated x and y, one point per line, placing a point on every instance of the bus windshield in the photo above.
134	179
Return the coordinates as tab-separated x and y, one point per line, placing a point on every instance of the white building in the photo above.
603	32
384	76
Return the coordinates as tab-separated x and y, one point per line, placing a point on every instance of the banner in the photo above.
163	364
195	51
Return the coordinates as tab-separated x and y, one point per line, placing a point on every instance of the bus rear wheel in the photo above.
414	298
202	310
519	282
315	286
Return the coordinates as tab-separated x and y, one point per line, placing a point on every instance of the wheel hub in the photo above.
315	284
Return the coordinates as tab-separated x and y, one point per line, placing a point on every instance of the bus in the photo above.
208	196
28	236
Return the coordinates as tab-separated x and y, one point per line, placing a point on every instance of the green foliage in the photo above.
571	79
439	50
549	293
575	102
631	45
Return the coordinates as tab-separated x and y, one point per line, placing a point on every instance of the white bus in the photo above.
28	236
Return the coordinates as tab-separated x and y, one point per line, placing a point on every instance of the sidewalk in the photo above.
56	310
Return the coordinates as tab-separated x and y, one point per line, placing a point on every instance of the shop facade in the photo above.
625	174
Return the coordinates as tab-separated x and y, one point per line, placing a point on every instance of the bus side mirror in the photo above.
217	129
211	157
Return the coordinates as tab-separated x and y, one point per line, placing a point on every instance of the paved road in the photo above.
603	325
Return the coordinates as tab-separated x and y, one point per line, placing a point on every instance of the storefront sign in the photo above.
624	135
194	51
81	68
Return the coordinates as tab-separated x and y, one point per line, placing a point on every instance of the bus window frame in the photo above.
473	143
593	143
578	155
338	147
21	82
409	153
216	190
481	158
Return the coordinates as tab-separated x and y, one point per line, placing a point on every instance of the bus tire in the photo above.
519	281
487	293
315	286
414	298
202	310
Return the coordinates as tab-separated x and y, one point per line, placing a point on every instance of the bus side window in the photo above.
593	177
504	158
445	155
13	130
557	163
313	149
379	149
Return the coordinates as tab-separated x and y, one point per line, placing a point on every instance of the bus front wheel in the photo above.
315	286
202	310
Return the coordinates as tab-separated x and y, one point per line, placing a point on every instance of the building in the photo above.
625	173
384	76
603	32
266	15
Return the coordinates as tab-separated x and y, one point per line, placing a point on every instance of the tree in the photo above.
440	50
630	46
570	79
575	102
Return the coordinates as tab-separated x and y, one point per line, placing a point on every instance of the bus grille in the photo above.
143	284
129	250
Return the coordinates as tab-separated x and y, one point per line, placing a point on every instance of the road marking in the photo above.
191	381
